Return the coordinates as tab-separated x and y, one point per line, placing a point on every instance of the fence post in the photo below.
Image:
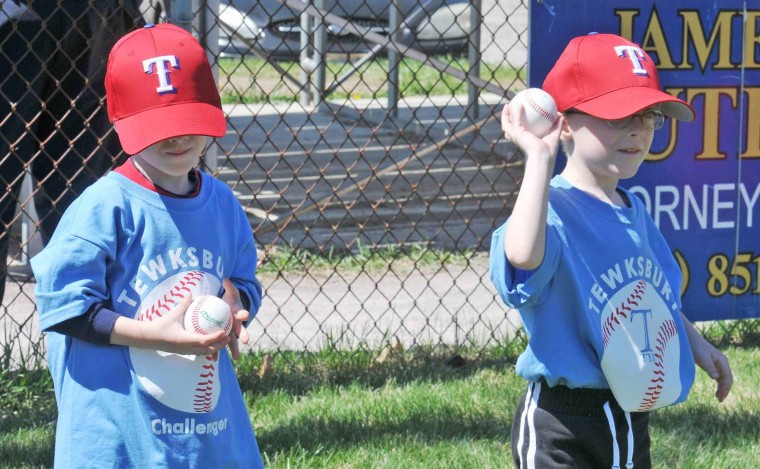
30	238
208	30
473	57
182	14
305	96
394	59
204	26
320	43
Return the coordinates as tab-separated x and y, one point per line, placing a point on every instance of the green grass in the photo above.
344	409
27	416
255	81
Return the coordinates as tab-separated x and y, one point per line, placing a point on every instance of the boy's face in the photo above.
606	151
174	157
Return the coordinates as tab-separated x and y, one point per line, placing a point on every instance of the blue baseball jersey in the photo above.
139	252
603	308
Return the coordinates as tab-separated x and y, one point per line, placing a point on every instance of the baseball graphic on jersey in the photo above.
641	359
187	383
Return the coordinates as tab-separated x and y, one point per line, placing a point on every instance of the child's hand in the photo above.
716	365
179	340
710	359
529	143
167	333
239	333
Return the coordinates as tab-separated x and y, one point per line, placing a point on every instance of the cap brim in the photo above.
627	101
139	131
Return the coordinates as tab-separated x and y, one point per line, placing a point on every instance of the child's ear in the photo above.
566	136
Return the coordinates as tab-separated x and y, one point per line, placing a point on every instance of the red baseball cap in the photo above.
609	77
159	85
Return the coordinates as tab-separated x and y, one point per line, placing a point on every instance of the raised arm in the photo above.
525	237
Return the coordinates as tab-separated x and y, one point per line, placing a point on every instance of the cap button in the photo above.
149	25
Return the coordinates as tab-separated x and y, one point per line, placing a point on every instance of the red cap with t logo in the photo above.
609	77
159	85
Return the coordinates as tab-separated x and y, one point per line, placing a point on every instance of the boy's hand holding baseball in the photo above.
167	333
525	241
240	315
513	123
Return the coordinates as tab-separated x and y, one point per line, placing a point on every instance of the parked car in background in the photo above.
431	26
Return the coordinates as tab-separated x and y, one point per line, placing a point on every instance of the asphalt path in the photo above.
433	173
322	180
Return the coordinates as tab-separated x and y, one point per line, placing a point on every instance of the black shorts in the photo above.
560	427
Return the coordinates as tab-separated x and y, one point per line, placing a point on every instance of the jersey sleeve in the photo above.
94	326
244	275
71	270
518	287
244	272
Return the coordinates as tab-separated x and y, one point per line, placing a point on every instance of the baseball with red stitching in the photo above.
208	314
641	355
188	383
540	110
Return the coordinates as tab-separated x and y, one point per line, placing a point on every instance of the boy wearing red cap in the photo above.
594	281
133	387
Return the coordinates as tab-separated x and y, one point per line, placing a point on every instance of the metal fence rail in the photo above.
356	131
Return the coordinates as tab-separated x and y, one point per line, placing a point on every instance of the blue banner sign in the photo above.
701	182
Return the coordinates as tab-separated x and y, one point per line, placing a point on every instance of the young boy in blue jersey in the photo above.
133	387
596	285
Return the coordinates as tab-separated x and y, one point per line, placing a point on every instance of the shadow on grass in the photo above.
692	424
700	425
296	374
323	433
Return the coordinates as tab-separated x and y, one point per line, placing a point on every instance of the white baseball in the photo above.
540	110
188	383
208	314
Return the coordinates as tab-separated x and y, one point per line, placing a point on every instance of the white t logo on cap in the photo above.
160	65
635	55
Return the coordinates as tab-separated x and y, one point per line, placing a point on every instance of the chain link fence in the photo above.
363	143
